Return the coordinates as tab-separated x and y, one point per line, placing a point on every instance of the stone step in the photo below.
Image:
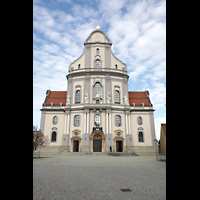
97	153
82	153
121	154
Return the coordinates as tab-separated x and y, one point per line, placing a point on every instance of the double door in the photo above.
97	145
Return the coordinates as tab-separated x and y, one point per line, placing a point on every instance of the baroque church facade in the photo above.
97	113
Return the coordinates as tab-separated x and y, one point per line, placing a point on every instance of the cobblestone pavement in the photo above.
98	177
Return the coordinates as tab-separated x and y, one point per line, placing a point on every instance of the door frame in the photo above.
103	138
118	139
72	143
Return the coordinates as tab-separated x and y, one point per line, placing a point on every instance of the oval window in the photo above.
55	120
139	120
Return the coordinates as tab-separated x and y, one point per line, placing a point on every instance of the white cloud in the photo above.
140	69
137	30
158	94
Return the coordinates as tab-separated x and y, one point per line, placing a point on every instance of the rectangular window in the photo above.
78	96
97	119
118	120
97	90
117	97
141	137
97	101
77	120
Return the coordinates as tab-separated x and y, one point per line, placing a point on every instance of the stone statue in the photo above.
68	100
86	97
126	101
109	97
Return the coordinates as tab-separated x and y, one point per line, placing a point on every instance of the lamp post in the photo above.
156	144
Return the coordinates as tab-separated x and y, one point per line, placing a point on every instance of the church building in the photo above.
97	112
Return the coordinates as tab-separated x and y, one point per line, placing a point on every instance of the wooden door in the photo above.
97	144
119	147
76	146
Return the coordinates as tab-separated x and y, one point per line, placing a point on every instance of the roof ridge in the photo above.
58	91
136	91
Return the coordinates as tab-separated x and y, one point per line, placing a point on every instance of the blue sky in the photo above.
137	30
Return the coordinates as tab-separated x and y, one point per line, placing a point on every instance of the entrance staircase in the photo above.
65	153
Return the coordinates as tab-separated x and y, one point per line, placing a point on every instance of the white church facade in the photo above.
97	112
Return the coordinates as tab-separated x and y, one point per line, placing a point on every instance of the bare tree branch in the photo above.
39	139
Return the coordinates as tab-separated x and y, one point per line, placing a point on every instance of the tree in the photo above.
35	128
39	139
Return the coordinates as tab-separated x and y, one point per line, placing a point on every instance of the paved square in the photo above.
98	177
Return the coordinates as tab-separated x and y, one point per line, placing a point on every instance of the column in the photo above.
110	123
85	123
68	120
106	123
65	128
88	118
129	121
126	125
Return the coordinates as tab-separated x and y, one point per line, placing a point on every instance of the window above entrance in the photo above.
97	119
97	137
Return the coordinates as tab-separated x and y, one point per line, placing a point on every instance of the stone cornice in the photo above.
97	72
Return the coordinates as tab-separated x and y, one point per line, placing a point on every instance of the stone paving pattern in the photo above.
98	177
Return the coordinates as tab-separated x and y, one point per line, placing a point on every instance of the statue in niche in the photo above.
68	100
126	101
109	97
86	97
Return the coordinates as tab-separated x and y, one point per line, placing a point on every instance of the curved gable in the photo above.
97	36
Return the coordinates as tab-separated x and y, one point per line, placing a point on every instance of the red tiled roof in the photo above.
60	96
137	98
56	97
164	128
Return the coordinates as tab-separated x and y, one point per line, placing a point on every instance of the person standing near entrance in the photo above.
110	149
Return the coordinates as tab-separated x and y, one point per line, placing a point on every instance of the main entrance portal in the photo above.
97	143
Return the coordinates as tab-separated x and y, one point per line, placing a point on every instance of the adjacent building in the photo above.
163	139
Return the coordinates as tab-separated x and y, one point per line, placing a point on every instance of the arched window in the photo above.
118	120
77	120
78	96
139	120
55	120
97	63
53	136
97	119
79	66
141	137
97	89
117	97
97	50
